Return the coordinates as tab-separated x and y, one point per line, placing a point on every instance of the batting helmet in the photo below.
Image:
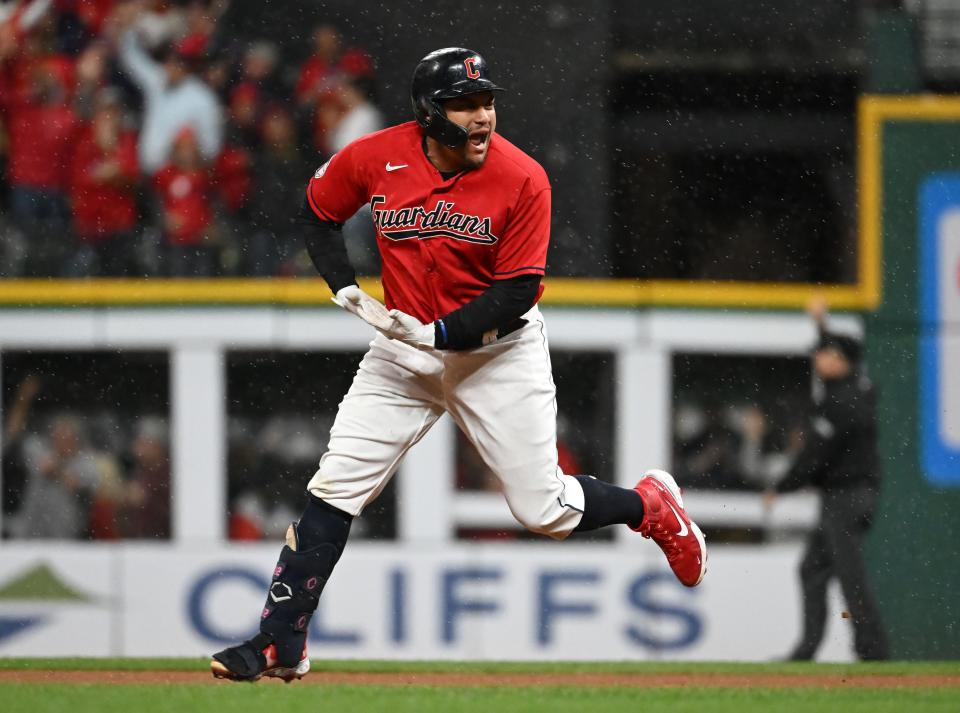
444	74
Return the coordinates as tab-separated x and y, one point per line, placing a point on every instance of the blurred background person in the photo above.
184	189
347	115
272	244
41	127
103	193
63	476
763	460
704	448
256	89
320	75
350	116
839	457
145	512
174	98
15	433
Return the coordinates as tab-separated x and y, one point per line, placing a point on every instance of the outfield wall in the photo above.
426	595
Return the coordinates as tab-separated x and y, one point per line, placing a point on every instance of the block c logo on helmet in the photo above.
472	71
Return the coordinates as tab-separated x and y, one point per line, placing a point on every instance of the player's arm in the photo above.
520	263
824	435
498	307
335	193
328	251
327	248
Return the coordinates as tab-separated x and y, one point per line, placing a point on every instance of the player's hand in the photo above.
358	302
410	330
817	309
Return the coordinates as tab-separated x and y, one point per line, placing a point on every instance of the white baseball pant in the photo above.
502	397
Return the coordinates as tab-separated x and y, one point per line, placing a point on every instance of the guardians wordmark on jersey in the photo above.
443	241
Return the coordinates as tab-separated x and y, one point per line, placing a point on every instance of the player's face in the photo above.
476	114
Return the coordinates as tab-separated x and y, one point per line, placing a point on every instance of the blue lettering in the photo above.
398	608
319	635
453	606
639	597
550	608
203	626
199	593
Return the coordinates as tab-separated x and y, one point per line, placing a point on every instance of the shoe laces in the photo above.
661	535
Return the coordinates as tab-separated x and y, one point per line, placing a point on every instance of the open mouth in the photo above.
478	139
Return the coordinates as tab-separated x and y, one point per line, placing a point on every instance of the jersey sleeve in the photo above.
337	189
523	246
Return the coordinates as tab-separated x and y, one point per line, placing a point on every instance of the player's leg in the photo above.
504	399
816	568
392	403
847	515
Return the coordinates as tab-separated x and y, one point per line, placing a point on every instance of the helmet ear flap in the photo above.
432	117
436	114
425	112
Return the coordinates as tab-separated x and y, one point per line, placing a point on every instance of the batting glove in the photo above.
410	330
358	302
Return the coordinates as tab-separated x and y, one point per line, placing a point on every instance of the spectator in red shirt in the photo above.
184	188
103	193
42	131
317	71
322	73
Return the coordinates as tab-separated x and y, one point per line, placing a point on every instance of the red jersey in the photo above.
186	204
313	74
232	177
443	241
100	208
41	145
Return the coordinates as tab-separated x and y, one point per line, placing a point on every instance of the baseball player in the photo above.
463	221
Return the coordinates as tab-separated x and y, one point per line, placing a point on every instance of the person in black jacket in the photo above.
839	458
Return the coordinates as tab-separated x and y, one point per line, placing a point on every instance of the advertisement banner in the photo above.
940	331
472	602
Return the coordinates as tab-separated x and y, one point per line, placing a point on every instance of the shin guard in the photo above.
298	580
314	546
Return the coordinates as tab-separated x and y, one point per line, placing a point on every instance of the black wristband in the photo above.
440	335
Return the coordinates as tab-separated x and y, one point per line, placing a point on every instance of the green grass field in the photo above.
202	694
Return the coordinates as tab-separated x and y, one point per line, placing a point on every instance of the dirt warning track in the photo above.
511	680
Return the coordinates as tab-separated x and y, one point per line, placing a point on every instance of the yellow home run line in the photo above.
313	292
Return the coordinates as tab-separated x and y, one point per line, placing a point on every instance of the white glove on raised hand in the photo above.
358	302
410	330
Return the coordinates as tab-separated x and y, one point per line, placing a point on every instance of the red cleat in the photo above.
666	523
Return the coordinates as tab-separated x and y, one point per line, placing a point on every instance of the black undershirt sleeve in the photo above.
497	307
326	248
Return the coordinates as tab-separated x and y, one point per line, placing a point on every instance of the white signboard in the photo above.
503	601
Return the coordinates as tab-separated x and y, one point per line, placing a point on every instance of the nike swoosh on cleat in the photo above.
683	526
394	168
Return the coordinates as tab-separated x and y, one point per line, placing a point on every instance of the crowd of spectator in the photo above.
69	475
732	446
137	138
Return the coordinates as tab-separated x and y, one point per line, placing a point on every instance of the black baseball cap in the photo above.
850	347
